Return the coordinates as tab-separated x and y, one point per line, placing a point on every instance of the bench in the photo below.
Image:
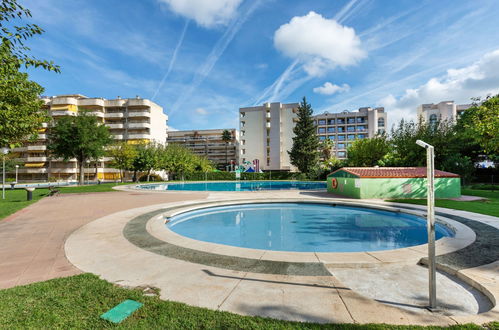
53	191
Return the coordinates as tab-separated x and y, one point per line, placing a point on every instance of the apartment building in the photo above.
132	120
267	134
445	110
345	127
209	143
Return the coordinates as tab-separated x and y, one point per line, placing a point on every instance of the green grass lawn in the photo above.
78	301
489	206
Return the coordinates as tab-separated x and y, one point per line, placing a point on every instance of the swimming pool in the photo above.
304	227
236	186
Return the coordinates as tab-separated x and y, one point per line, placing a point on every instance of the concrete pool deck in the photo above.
33	251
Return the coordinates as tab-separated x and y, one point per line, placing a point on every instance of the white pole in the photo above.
3	176
17	168
430	196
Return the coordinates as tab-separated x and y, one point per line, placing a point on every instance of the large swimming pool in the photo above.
236	186
304	227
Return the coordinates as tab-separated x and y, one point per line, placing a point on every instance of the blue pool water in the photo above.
236	186
304	227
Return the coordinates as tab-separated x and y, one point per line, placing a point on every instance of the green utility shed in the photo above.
391	182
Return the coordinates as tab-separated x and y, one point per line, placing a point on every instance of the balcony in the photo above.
32	170
137	114
63	170
99	114
64	101
42	136
139	125
114	115
59	113
139	103
96	101
36	148
115	126
35	159
117	136
139	136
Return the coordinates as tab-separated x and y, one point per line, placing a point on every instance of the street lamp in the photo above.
17	169
430	196
88	171
4	151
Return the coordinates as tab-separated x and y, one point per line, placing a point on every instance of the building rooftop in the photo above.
394	172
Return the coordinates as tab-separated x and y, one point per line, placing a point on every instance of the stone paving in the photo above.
32	250
32	240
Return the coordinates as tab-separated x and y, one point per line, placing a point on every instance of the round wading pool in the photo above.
304	227
236	186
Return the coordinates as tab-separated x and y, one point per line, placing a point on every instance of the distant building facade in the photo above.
133	120
267	135
345	127
445	110
208	143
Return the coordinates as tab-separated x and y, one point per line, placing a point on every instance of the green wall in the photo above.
392	187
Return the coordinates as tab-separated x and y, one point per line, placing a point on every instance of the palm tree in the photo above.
226	137
326	147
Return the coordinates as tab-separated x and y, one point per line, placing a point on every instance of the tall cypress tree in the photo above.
304	153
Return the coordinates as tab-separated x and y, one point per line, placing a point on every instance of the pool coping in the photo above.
464	236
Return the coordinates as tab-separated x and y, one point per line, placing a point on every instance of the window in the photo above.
330	137
361	119
433	119
268	161
381	122
243	142
322	122
361	136
341	137
322	130
351	137
351	120
340	121
351	129
322	137
243	114
341	129
361	128
341	146
342	154
381	131
331	130
243	151
330	122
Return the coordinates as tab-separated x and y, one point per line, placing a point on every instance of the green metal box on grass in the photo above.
391	182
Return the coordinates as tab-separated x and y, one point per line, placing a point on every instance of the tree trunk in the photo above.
121	175
148	174
226	156
82	172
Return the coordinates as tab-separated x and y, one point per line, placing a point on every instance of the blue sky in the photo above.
202	60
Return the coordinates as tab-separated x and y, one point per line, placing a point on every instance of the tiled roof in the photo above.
394	172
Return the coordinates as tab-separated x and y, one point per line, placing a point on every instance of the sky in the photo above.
202	60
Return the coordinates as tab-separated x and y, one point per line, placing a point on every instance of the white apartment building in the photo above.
132	120
445	110
345	127
266	134
209	143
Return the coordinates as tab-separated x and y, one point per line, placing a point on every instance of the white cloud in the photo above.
460	85
330	89
201	111
319	43
206	13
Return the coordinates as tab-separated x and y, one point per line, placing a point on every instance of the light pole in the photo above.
88	171
5	151
430	196
17	169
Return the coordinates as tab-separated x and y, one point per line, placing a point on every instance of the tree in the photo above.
81	137
177	160
203	164
326	147
368	152
20	115
226	137
123	155
147	159
304	154
482	123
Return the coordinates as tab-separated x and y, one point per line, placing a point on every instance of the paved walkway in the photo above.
32	240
